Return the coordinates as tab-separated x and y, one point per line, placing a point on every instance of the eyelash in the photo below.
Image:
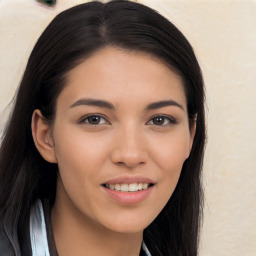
85	118
169	119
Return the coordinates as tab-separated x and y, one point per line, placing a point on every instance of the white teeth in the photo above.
124	187
145	185
111	186
133	187
117	187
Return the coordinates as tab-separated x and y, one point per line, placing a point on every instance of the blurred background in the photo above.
223	35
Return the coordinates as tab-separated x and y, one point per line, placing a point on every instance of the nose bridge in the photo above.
131	136
130	149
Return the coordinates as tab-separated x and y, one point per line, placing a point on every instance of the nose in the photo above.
129	150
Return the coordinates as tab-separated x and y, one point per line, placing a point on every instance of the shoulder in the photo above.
6	248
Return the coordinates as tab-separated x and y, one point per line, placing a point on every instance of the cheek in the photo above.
169	156
81	159
173	150
78	150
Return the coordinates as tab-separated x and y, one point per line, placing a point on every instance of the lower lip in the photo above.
128	198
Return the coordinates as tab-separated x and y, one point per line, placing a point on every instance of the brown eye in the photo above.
93	120
162	120
159	120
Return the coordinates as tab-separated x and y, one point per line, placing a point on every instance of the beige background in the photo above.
223	36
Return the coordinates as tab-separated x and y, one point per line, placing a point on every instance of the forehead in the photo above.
117	74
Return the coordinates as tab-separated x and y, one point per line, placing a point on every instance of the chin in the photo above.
131	229
128	224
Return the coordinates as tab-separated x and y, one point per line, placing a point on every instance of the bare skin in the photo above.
121	117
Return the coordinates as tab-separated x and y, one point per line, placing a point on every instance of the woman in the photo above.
104	148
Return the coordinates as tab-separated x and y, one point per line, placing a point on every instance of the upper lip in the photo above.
129	180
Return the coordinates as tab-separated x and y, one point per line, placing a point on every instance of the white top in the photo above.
38	235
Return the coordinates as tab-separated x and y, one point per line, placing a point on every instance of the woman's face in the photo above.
121	124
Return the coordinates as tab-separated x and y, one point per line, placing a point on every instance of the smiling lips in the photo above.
129	190
133	187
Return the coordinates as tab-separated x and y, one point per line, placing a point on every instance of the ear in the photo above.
42	136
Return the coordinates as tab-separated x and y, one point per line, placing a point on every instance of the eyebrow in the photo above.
93	102
164	103
108	105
